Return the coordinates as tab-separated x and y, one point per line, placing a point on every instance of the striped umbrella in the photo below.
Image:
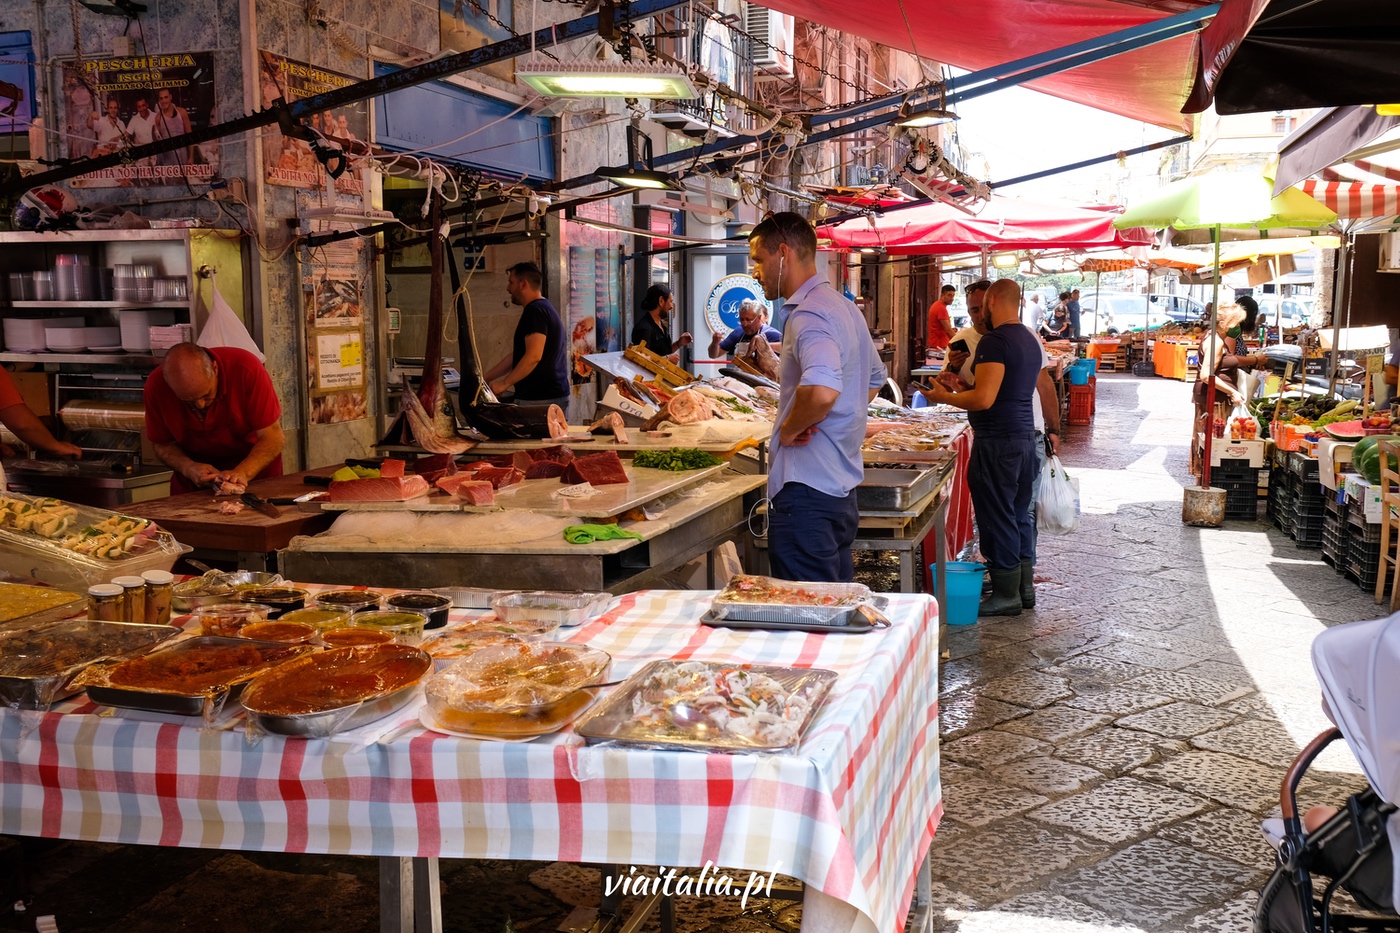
1355	200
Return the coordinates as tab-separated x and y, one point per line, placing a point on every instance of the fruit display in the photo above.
1366	456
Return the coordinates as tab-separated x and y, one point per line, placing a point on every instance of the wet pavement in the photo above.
1106	758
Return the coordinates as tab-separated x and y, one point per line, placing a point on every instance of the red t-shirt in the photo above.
937	336
245	404
9	395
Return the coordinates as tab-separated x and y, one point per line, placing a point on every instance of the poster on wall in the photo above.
334	299
583	305
333	315
339	408
464	25
340	361
113	104
288	161
607	313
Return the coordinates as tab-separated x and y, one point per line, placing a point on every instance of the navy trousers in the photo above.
1000	478
810	534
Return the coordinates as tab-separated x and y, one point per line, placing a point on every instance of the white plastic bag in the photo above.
224	329
1237	413
1057	506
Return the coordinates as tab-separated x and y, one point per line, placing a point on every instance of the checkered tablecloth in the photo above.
851	813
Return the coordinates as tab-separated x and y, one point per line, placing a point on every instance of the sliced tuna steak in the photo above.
391	469
382	489
500	477
558	424
600	469
449	484
475	492
561	453
545	469
435	467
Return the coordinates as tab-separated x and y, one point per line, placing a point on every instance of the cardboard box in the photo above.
37	391
1226	449
1368	496
618	402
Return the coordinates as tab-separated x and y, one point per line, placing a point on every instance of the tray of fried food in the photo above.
192	677
710	706
23	606
38	664
514	691
320	694
751	598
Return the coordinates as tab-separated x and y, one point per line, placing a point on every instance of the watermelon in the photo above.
1366	456
1346	430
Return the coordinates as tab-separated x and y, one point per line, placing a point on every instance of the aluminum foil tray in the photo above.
750	598
37	665
664	705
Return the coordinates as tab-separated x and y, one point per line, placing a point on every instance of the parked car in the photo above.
1120	311
1294	312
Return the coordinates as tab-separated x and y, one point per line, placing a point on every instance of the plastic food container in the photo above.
37	665
470	597
321	694
562	608
431	605
406	628
319	619
289	633
525	629
228	619
450	647
278	599
515	691
354	637
348	600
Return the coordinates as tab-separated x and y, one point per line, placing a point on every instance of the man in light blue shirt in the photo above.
829	372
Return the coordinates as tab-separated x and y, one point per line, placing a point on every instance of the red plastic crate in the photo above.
1081	405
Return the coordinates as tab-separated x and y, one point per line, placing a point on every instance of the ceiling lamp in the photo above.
931	113
608	79
638	173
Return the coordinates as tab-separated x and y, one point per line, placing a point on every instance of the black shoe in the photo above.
1005	599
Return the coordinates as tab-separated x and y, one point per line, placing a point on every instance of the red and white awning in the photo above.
1355	200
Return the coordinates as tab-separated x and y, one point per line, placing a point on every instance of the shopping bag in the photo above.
1057	506
1248	424
224	329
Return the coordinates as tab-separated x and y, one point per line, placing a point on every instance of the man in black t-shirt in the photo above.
653	327
537	368
1003	466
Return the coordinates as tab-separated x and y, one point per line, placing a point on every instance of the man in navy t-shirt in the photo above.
537	368
1003	467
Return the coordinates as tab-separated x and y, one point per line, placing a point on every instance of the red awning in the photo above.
1150	84
1355	200
1002	224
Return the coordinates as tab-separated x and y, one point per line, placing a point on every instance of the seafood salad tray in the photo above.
750	598
710	706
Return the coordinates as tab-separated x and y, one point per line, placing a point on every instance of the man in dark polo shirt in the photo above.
537	367
1003	467
212	415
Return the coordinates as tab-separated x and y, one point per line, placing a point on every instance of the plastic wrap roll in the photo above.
81	414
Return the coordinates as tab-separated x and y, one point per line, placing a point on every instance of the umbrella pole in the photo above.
1210	386
1343	283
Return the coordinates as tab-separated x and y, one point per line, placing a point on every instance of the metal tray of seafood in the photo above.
179	703
642	712
327	722
854	622
38	664
731	602
894	490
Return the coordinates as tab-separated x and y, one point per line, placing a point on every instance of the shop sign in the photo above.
288	161
114	104
722	307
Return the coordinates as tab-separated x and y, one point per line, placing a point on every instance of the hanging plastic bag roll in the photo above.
83	414
224	329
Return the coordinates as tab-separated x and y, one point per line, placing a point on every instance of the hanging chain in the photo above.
480	7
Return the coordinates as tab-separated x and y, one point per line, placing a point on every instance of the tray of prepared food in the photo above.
38	664
26	606
864	618
217	586
75	546
192	677
750	598
566	609
470	597
710	706
894	490
514	691
332	691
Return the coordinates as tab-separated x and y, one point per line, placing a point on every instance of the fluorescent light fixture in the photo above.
921	117
1005	260
608	79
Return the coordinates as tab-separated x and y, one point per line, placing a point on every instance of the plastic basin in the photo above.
964	581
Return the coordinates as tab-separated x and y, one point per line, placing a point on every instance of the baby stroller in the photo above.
1358	666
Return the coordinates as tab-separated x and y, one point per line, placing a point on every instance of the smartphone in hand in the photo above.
959	345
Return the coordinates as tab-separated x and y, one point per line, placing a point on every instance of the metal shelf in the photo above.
113	359
85	305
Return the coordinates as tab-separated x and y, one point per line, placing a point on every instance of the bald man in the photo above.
213	417
1003	468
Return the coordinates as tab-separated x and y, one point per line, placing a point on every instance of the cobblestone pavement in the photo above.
1106	758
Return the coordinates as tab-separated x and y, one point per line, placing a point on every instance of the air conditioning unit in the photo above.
1390	253
774	34
857	176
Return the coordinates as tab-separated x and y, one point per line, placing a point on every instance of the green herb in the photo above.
677	458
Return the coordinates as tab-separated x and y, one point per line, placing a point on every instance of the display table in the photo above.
1097	347
851	813
1174	360
250	538
518	549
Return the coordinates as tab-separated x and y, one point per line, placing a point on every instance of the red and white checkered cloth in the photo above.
851	813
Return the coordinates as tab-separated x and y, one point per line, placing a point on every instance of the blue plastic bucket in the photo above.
1077	375
964	590
1090	363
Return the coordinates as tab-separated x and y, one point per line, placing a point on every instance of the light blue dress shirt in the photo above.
825	343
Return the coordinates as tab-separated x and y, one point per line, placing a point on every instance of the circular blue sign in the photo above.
722	307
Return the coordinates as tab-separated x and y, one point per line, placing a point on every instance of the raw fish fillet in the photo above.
600	469
435	467
449	484
561	453
545	469
392	468
500	477
475	492
382	489
558	424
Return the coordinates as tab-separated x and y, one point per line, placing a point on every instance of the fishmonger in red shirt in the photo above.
213	417
940	323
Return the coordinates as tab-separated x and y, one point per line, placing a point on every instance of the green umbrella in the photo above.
1236	200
